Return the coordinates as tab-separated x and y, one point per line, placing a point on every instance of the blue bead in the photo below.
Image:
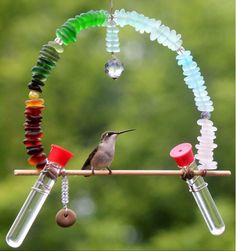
195	81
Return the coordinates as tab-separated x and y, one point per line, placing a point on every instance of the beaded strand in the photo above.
67	33
193	78
48	57
71	28
206	144
163	34
112	38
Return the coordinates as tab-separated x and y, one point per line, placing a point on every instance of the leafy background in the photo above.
118	213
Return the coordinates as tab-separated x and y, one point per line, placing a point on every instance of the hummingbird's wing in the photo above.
87	163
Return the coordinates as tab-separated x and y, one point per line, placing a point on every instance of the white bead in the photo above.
206	144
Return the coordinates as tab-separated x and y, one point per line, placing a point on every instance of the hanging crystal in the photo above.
114	68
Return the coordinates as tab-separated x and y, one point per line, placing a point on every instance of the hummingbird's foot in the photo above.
92	171
110	172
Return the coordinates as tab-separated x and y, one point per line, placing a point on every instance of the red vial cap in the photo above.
59	155
182	154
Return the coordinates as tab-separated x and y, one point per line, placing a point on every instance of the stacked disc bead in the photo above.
71	28
112	38
48	56
158	31
195	81
33	132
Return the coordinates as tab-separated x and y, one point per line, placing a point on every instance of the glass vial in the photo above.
57	159
183	155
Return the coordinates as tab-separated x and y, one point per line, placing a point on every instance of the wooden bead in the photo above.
65	217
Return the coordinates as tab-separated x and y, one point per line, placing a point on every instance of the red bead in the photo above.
33	135
41	164
32	128
33	117
33	122
34	112
34	150
35	159
32	142
33	109
27	126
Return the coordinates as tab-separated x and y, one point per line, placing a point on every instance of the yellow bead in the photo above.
34	95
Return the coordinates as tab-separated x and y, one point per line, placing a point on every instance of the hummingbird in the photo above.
103	155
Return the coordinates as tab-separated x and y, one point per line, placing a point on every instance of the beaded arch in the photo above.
68	32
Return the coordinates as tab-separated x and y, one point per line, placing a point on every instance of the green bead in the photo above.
40	70
44	65
70	31
50	50
40	77
72	27
59	48
80	23
62	36
46	61
48	55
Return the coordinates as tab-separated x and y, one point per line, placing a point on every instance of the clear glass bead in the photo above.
114	68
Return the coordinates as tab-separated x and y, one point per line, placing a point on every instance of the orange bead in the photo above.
35	159
34	102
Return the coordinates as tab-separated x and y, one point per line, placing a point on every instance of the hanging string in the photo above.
111	8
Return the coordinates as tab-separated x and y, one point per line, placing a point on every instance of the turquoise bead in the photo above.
163	34
195	81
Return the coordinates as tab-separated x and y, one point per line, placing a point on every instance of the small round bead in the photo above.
205	115
57	46
34	95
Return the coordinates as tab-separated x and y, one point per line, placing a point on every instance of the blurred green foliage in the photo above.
115	213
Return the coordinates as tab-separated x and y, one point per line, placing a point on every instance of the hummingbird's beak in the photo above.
129	130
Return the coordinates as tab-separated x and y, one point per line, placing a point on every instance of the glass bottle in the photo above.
57	159
184	158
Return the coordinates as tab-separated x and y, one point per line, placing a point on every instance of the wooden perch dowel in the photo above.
128	173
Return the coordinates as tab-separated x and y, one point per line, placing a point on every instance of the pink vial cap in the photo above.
182	154
59	155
